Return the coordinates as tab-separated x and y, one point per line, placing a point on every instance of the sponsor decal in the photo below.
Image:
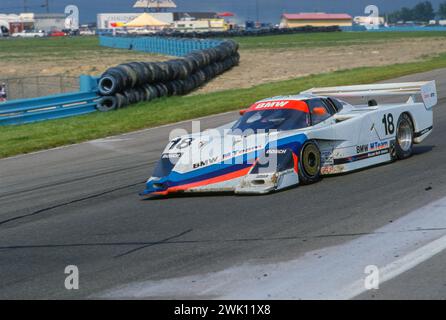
236	153
171	155
372	147
272	104
205	163
275	151
226	156
280	104
332	170
362	156
327	157
362	149
236	141
379	145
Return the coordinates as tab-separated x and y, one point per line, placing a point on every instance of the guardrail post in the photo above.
88	83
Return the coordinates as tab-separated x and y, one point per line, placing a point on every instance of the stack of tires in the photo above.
135	82
246	33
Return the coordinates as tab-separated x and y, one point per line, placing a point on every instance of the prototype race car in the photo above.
289	140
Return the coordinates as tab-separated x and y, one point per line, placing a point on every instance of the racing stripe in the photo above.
294	142
362	156
213	174
176	181
222	178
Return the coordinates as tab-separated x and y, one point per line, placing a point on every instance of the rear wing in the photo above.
427	90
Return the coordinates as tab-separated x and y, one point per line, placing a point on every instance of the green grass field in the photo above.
27	138
330	39
69	47
50	48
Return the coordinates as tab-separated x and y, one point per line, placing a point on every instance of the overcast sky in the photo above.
270	10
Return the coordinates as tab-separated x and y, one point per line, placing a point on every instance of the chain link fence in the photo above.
39	86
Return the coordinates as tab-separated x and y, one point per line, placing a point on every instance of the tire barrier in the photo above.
227	34
135	82
247	33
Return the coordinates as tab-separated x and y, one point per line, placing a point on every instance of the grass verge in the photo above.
55	49
32	137
69	47
330	39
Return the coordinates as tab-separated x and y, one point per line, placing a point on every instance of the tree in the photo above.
442	10
407	14
423	11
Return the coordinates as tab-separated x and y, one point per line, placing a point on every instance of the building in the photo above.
118	20
33	21
201	25
319	19
112	20
155	5
182	16
49	21
16	23
146	20
367	20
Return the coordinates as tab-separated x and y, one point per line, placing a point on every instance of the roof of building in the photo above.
49	16
146	20
317	16
177	16
154	4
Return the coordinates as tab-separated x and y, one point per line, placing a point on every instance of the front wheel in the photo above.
404	137
310	163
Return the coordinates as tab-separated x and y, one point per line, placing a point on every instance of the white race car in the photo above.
289	140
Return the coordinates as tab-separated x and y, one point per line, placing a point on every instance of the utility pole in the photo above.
257	11
47	6
25	6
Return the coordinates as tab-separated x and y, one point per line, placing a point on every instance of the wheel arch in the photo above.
412	119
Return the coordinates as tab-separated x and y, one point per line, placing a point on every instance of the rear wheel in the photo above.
310	163
404	137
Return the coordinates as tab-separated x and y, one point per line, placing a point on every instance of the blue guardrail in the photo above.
161	45
51	107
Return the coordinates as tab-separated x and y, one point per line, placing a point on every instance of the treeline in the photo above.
422	12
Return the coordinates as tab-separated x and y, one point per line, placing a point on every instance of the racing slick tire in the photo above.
310	163
404	137
107	103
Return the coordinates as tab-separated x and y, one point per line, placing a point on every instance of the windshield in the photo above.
277	119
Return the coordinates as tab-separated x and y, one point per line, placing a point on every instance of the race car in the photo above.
284	141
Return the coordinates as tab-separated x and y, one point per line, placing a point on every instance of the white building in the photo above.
23	17
15	22
156	5
117	20
49	21
46	22
367	21
200	25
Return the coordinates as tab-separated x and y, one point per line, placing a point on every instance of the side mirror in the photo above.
319	111
242	112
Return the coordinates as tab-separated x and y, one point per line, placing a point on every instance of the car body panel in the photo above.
356	137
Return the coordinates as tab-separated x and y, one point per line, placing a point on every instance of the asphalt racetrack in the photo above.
79	205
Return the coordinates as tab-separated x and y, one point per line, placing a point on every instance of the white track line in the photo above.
336	272
398	267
